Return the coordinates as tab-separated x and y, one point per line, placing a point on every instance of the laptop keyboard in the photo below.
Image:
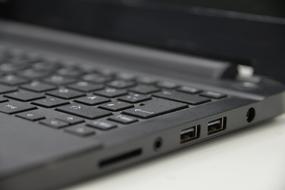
86	102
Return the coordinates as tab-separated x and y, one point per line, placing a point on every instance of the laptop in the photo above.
90	87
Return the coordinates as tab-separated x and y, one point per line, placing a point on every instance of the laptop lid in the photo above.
244	32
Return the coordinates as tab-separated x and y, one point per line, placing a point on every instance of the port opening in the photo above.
189	134
120	158
250	115
217	125
157	144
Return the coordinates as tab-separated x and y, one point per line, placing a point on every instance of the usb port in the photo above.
217	125
189	134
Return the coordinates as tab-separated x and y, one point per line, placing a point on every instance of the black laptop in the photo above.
88	87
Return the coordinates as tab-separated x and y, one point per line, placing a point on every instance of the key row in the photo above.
67	122
92	83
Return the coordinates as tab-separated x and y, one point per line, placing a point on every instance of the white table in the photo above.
251	159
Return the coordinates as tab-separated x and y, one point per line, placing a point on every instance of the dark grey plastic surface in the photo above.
36	157
24	144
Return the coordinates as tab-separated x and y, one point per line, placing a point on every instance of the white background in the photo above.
252	159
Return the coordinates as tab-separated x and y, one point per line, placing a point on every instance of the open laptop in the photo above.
88	87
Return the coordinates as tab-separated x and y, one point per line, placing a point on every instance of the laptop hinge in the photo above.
247	73
225	70
201	67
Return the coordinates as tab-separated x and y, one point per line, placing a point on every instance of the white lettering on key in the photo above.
12	107
124	118
143	111
63	90
75	107
92	97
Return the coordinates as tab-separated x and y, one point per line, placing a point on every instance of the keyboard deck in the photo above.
84	102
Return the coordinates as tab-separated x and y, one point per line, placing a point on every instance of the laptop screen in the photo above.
234	30
272	8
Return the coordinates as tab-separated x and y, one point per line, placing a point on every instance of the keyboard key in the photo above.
116	106
17	57
24	96
144	89
84	111
146	80
165	84
65	93
59	80
20	57
121	84
126	76
12	107
105	72
3	57
23	60
45	66
54	123
32	57
70	72
6	67
85	86
50	102
155	107
134	98
92	100
123	119
13	80
31	115
33	74
7	89
102	125
111	92
182	97
214	95
189	90
38	86
81	131
9	67
72	120
96	78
